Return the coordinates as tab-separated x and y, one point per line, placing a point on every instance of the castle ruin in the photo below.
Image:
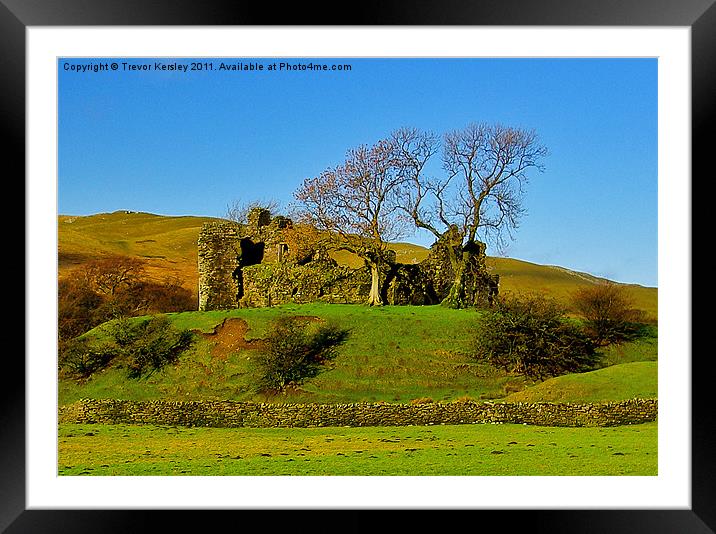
254	265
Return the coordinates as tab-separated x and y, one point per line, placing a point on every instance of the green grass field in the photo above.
454	450
395	354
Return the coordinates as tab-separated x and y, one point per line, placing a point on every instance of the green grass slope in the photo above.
614	383
394	354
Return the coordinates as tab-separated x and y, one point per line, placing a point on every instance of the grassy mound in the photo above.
393	354
614	383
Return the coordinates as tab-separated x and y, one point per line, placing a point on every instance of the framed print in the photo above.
623	98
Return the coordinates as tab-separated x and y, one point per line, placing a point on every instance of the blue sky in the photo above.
190	143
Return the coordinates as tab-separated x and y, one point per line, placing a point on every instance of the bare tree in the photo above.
238	210
480	197
109	274
356	204
610	312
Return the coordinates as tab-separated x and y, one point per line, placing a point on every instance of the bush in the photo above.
80	358
77	306
609	313
531	336
168	296
149	345
142	347
295	350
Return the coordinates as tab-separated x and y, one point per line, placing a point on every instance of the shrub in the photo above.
296	349
609	312
168	296
123	331
149	345
80	358
76	308
142	347
531	336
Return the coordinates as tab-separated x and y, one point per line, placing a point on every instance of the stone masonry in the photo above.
231	414
252	265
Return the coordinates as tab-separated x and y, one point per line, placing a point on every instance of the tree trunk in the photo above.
465	265
456	296
374	298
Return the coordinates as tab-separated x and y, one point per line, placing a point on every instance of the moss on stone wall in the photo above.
252	265
218	251
269	284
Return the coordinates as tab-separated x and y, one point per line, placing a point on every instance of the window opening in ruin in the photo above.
251	253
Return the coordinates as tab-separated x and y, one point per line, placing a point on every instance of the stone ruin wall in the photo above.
218	251
249	265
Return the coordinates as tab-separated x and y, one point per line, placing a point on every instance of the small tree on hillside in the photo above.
609	311
141	346
356	205
77	306
295	350
530	335
113	287
112	273
146	346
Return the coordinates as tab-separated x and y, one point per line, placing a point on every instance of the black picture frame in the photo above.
17	15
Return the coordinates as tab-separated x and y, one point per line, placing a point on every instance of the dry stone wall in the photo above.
227	414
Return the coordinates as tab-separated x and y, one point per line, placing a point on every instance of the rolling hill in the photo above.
168	246
166	243
613	383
